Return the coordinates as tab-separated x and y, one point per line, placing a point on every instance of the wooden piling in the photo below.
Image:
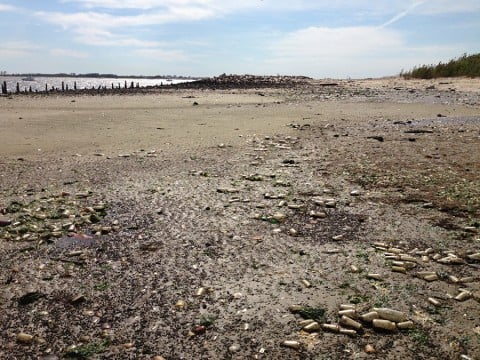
4	87
63	86
75	85
126	84
18	88
46	87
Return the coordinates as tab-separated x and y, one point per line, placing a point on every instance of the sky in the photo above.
316	38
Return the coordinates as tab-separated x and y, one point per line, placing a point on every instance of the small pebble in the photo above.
234	348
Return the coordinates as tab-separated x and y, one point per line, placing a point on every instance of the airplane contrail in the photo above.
403	13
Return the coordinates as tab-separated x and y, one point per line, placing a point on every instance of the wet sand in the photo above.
208	213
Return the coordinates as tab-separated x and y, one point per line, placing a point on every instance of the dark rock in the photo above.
378	138
29	298
4	221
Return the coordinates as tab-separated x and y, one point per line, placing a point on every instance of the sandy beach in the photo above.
204	223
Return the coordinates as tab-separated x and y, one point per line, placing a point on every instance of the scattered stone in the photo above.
227	190
30	297
5	221
355	193
369	349
180	304
24	338
234	348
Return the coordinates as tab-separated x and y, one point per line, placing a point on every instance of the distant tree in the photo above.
465	65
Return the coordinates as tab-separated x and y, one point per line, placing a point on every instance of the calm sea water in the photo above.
38	83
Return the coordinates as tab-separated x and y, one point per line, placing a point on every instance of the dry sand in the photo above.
195	196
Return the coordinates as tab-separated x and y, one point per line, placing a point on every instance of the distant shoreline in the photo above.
105	76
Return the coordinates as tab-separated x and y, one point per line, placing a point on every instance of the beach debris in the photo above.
291	344
24	338
390	314
180	304
382	324
234	348
369	349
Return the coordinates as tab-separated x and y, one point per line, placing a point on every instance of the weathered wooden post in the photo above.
46	87
75	85
112	86
63	86
18	87
66	87
126	84
4	87
30	90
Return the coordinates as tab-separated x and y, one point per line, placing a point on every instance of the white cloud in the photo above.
15	49
69	53
348	51
6	7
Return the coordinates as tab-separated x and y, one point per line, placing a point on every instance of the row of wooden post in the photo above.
65	87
